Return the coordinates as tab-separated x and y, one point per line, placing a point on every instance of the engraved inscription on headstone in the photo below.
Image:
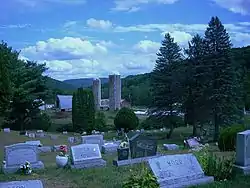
142	146
85	152
176	169
19	156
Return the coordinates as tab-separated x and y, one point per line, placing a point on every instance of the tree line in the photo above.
206	80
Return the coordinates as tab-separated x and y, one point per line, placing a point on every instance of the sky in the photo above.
96	38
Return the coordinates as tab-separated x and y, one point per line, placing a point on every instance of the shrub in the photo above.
66	127
219	167
126	119
100	122
144	180
41	121
153	122
227	138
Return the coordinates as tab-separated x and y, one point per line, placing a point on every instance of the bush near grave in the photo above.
227	138
126	119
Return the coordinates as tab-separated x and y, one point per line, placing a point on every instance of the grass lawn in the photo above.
107	177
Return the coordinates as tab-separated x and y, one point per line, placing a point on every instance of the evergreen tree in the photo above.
7	57
221	92
83	112
165	81
28	94
195	83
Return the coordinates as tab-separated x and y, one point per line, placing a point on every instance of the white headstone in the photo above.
34	142
22	184
174	171
93	139
6	130
85	152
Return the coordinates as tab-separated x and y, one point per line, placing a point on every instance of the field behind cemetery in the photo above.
108	177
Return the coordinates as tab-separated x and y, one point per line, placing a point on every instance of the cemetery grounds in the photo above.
106	177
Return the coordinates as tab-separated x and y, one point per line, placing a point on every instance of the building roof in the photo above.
65	101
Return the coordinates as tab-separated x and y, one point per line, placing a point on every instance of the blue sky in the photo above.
94	38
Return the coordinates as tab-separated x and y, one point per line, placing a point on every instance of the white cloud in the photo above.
135	5
70	57
99	24
147	46
65	48
180	37
236	6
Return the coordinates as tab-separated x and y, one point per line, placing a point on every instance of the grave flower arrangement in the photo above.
62	158
25	168
63	150
123	149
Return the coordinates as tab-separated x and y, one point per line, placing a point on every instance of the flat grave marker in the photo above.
22	184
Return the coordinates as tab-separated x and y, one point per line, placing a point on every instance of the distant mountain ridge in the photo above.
84	82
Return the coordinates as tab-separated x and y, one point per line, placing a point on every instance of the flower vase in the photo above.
123	153
61	161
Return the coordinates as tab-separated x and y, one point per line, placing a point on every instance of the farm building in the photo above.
64	102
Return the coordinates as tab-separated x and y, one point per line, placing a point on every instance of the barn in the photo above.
64	103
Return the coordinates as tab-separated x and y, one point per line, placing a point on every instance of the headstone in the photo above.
40	135
6	130
175	171
22	184
242	163
142	146
65	132
17	154
31	135
53	137
45	149
86	156
34	142
110	147
93	139
171	147
192	142
39	131
71	140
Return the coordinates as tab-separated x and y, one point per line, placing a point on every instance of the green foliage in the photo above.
126	119
222	94
144	180
23	90
227	138
153	122
42	121
7	56
83	111
219	167
100	122
166	79
66	127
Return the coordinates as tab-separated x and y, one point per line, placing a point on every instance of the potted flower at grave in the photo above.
62	158
123	151
25	168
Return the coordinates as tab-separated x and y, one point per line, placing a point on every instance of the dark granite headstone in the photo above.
142	146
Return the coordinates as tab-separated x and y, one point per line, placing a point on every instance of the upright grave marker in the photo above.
93	139
17	154
86	156
242	164
175	171
142	146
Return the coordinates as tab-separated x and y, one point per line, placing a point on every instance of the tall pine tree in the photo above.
165	83
222	94
195	83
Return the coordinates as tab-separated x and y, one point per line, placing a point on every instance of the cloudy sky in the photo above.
95	38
